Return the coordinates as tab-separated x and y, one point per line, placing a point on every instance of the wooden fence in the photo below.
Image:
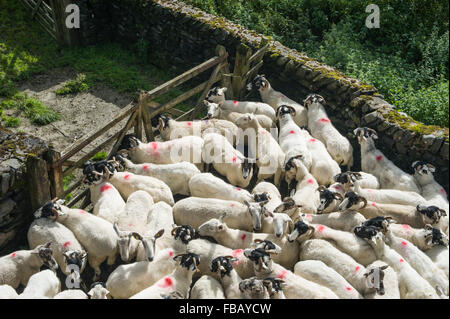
42	12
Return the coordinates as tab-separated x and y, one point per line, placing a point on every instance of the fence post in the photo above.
55	173
241	67
38	182
64	35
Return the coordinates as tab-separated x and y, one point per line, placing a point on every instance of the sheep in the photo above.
423	238
98	291
439	255
411	284
164	152
316	271
366	180
170	129
254	288
222	267
43	230
387	278
7	292
176	175
71	294
226	160
238	239
292	141
419	261
353	272
296	287
208	251
272	195
195	211
217	95
179	280
347	242
16	268
207	288
275	99
41	285
306	191
215	111
94	233
433	192
207	185
329	200
270	157
373	161
345	221
435	216
321	128
275	287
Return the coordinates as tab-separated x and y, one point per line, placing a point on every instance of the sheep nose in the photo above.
150	259
289	240
278	235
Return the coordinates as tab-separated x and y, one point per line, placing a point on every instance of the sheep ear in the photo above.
136	236
116	228
224	89
205	102
246	203
159	234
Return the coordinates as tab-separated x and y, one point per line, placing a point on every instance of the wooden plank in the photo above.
73	186
53	159
64	35
36	8
183	77
77	198
258	54
186	115
252	72
124	131
175	112
85	158
138	124
38	184
241	67
78	145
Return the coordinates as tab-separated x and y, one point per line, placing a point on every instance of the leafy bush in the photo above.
74	86
11	121
100	156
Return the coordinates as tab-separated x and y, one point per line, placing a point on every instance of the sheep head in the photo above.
365	134
283	110
274	285
374	279
282	224
213	109
189	261
261	259
430	214
75	257
301	232
257	211
352	201
216	95
259	83
267	245
434	236
314	98
253	288
326	198
288	207
212	227
45	253
129	142
223	265
185	233
98	291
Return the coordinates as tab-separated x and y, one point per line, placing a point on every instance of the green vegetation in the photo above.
406	59
100	156
11	121
76	85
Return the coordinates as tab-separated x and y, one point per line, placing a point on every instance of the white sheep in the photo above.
344	221
98	291
16	268
226	160
217	95
215	111
207	288
434	193
321	128
185	149
71	294
388	281
373	161
435	216
439	255
222	268
207	185
264	191
42	285
7	292
306	193
269	155
423	238
411	284
316	271
275	99
329	199
179	280
239	239
176	175
366	180
107	201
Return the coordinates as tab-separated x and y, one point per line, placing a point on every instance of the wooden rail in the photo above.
43	14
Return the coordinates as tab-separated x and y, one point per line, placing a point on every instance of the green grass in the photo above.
100	156
74	86
11	121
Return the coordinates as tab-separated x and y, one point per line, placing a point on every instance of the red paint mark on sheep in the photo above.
310	181
320	228
405	226
401	260
308	216
237	253
154	145
357	268
145	167
282	274
243	237
379	158
130	225
170	253
348	288
324	120
404	243
189	123
232	205
127	176
234	159
374	205
83	211
67	244
235	103
238	189
167	282
104	188
312	140
291	132
443	191
13	255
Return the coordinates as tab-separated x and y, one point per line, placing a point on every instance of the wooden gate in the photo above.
42	12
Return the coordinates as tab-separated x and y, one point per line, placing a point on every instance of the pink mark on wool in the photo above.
189	123
312	140
130	225
401	260
282	274
127	176
369	191
243	237
357	268
83	211
336	187
154	145
320	228
234	159
374	205
104	188
170	253
405	226
308	216
235	103
167	282
13	255
291	132
404	243
348	288
443	191
238	189
379	158
324	120
66	244
310	181
145	167
237	252
232	205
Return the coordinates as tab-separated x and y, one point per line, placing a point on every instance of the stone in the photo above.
402	149
5	183
436	145
444	151
427	140
282	60
386	140
372	117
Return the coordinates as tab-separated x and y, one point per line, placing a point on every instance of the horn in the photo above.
321	188
174	230
339	197
47	245
293	110
363	200
443	212
257	240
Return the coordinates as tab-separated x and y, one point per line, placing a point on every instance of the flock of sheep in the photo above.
378	233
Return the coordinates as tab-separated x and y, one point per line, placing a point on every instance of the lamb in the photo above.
329	200
7	292
179	280
366	180
98	291
207	288
207	185
170	129
94	233
226	160
222	267
71	294
373	161
439	255
292	141
387	278
411	284
269	155
217	95
433	192
275	287
195	211
17	267
296	287
423	238
238	239
275	99
435	216
316	271
41	285
321	128
167	152
306	194
215	111
44	230
354	273
345	221
176	175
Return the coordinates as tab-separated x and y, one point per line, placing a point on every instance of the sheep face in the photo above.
75	257
282	224
211	227
434	236
301	232
260	258
253	288
288	207
285	110
185	233
222	264
129	142
49	210
216	95
267	245
274	285
327	197
149	243
366	232
190	261
247	168
262	197
259	83
430	214
313	99
352	201
245	120
423	171
257	211
347	179
213	109
163	123
123	241
374	279
365	134
381	223
98	291
45	253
